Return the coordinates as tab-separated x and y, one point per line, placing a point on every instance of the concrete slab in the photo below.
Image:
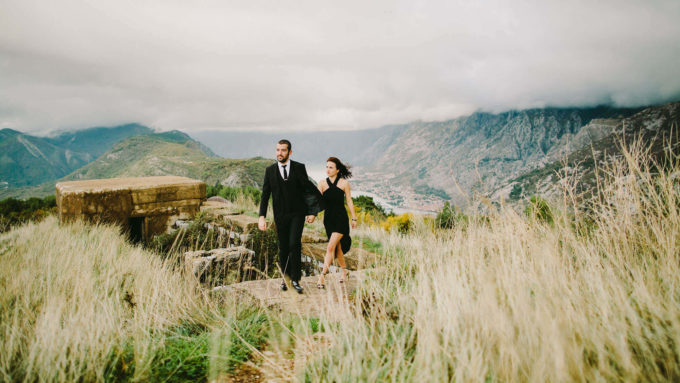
156	202
331	301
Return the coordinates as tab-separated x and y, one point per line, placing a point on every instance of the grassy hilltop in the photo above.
570	294
159	154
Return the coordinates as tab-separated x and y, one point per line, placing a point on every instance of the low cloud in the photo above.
311	65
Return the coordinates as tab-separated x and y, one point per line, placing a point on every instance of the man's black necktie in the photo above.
285	173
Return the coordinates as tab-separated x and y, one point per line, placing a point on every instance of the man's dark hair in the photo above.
286	142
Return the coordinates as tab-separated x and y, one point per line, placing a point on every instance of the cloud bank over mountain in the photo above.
271	65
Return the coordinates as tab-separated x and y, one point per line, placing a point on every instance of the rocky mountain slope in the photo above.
657	127
29	160
484	152
97	140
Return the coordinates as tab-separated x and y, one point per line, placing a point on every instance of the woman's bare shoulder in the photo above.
323	185
343	183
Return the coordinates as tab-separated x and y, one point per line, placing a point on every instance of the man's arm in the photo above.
304	179
264	201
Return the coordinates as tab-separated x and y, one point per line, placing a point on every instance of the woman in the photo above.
335	190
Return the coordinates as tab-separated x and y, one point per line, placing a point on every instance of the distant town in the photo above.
398	197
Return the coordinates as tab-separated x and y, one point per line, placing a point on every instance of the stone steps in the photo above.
331	301
239	228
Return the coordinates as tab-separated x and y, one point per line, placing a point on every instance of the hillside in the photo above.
171	153
29	160
167	153
656	127
484	152
97	140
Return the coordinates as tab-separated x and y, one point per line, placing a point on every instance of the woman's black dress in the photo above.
335	218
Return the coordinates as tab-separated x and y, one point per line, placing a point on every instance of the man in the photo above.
294	202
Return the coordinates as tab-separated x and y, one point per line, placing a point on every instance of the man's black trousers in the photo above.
289	231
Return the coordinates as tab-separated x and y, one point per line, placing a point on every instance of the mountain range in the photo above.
510	155
131	151
487	153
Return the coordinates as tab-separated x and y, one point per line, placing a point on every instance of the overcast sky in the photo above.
298	65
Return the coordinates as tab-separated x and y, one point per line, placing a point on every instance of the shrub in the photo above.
449	217
232	193
15	211
539	209
401	223
366	204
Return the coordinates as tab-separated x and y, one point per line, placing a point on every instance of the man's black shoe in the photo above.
283	286
297	287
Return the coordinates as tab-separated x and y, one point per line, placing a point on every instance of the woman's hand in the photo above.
354	223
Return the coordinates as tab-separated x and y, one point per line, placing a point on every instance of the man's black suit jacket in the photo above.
310	200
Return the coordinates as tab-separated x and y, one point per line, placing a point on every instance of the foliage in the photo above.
232	193
539	209
516	191
194	237
401	223
112	311
449	217
366	203
15	211
183	357
428	190
266	247
190	351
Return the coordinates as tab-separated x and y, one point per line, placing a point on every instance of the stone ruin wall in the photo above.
148	205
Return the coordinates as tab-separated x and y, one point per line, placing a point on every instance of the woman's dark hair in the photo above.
343	170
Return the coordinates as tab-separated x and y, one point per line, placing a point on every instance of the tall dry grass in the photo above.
593	296
74	296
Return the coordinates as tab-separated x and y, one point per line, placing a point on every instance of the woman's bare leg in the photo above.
333	243
341	261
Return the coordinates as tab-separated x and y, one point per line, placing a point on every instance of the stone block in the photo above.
215	265
241	223
149	204
311	236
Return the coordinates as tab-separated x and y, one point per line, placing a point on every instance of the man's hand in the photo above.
310	218
262	224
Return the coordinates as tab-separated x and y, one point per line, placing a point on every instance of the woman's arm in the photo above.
350	204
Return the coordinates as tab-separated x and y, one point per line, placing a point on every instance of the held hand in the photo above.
310	218
262	224
354	224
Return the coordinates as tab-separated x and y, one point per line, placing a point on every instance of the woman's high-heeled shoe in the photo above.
345	275
319	284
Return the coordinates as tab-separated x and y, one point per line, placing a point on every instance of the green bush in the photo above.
366	203
539	209
450	217
232	193
184	356
15	211
188	350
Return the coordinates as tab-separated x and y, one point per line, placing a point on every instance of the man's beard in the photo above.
284	159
